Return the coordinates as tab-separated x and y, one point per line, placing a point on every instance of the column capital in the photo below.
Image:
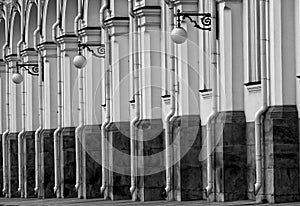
48	49
149	15
118	25
68	42
30	53
186	2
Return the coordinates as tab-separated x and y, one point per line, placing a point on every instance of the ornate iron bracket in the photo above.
205	19
32	69
98	52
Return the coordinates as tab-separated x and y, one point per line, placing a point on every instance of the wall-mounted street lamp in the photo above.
32	69
179	34
79	60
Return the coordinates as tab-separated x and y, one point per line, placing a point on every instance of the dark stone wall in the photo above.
1	166
281	148
251	179
188	170
47	141
151	142
13	163
119	183
29	138
69	164
92	149
230	156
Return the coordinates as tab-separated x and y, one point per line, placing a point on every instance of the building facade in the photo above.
145	119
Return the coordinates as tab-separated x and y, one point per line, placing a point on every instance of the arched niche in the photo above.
2	35
91	13
49	18
69	12
15	31
31	24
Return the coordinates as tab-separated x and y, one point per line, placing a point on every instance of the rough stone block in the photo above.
230	156
92	149
47	149
119	174
282	154
69	167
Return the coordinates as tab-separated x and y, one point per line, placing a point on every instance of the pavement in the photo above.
101	202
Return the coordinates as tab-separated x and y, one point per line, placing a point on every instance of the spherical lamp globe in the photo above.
17	78
179	35
79	61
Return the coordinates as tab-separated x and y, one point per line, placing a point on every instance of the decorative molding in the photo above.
167	99
206	93
253	88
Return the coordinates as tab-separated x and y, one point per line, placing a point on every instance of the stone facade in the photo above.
141	93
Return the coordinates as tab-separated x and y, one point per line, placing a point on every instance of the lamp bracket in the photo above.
32	69
205	19
99	51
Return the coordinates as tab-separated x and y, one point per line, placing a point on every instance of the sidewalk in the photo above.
92	202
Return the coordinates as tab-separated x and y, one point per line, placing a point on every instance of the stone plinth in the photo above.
68	163
1	166
12	139
188	170
29	163
119	164
230	156
92	149
151	161
47	162
281	155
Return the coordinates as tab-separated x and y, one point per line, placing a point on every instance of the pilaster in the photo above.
15	96
188	70
150	50
119	28
49	54
70	96
3	74
231	56
93	76
282	53
29	55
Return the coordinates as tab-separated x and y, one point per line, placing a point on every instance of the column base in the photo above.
68	162
230	157
92	149
29	163
188	170
151	162
119	156
13	185
281	155
47	163
1	167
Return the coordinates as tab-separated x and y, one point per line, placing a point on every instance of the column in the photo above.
119	130
91	141
281	124
49	55
15	122
186	127
70	97
31	122
230	124
150	134
2	114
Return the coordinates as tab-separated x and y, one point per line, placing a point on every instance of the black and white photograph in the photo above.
149	102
